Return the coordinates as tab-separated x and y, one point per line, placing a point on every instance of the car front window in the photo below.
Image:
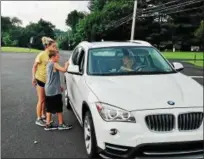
126	60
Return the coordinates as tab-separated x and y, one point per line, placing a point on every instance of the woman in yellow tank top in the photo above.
39	77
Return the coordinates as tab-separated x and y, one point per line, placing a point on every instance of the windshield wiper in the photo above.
132	73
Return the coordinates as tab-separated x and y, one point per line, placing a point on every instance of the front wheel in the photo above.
89	136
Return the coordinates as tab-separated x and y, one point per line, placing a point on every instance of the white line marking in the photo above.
196	76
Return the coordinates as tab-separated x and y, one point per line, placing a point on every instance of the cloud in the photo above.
53	11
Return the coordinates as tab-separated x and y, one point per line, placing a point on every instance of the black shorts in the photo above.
40	83
54	104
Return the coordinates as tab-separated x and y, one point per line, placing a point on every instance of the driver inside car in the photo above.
128	64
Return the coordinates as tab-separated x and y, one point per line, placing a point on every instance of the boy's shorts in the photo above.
54	104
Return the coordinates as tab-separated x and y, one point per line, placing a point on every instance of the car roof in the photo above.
113	43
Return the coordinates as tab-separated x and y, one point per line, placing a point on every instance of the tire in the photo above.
88	124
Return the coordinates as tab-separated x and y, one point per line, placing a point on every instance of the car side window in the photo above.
75	56
80	60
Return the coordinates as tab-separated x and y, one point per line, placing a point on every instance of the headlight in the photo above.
114	114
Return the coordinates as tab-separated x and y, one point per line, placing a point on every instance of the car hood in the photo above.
138	92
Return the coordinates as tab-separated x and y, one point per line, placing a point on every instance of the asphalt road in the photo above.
18	104
190	70
18	116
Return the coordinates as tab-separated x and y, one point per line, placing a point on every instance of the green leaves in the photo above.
104	14
73	18
15	35
199	33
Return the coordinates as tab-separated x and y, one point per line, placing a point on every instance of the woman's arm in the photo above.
35	65
34	68
60	68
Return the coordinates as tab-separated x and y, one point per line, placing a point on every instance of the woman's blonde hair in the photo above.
46	41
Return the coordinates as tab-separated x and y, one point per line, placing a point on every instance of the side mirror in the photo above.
74	69
178	66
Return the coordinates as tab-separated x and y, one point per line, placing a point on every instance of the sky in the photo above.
31	11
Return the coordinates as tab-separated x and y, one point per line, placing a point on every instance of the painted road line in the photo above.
196	76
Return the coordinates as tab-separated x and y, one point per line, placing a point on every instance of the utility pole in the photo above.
31	42
133	20
68	39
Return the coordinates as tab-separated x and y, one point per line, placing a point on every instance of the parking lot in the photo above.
18	104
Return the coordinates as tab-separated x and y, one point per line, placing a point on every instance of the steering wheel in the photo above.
141	67
123	69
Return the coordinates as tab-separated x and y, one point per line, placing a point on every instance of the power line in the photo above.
160	9
186	10
167	7
161	5
130	15
129	19
175	6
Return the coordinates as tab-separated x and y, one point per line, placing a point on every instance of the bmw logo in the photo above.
171	102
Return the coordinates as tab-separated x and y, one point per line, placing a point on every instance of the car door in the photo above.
78	82
70	77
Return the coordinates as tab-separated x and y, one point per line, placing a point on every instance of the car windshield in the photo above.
126	60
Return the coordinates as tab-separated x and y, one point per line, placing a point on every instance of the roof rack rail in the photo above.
140	42
85	41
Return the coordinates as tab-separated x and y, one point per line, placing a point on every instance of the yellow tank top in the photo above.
42	60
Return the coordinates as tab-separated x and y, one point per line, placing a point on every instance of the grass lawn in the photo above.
197	63
19	50
183	55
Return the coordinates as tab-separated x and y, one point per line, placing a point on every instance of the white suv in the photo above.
132	102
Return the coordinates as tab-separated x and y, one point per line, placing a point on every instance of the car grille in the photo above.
190	121
161	122
166	122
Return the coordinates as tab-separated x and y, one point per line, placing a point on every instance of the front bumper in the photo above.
178	150
132	137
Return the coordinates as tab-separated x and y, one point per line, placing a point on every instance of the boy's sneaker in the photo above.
44	119
40	122
50	127
64	127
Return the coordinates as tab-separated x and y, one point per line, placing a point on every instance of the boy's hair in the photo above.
53	54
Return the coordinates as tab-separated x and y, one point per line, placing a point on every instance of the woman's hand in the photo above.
34	82
62	89
125	69
66	64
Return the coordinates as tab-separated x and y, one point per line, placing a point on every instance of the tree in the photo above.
199	33
73	18
7	39
96	5
95	25
15	35
58	33
11	32
37	31
16	21
6	24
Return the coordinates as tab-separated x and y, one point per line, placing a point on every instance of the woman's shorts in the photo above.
54	104
40	83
